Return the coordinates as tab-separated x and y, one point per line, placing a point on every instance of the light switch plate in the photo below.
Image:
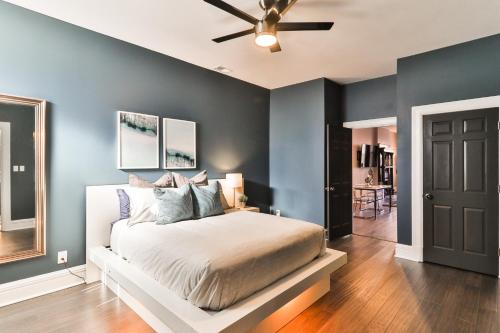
15	168
21	168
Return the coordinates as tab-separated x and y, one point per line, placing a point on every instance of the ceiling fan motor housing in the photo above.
264	27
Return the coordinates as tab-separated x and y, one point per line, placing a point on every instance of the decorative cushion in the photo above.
200	179
164	181
124	203
206	200
143	206
174	204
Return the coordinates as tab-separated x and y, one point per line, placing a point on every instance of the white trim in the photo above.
19	224
417	174
408	252
5	177
119	143
21	290
378	122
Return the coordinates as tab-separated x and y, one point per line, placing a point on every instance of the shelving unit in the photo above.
385	163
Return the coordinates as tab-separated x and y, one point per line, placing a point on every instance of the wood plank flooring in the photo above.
16	241
383	228
374	292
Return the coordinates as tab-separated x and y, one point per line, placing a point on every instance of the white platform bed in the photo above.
265	311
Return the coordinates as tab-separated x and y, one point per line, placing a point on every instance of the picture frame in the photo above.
138	140
179	144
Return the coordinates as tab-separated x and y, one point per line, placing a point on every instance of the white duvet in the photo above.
216	261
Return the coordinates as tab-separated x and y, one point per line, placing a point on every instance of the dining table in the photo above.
375	189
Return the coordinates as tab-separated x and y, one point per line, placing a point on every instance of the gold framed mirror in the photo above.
22	178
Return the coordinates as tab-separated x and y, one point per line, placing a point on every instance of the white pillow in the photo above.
143	206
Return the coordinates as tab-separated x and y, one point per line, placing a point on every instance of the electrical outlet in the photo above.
62	257
278	212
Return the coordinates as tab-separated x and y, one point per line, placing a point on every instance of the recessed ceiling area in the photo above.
365	42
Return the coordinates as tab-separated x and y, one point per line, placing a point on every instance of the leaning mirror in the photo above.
22	178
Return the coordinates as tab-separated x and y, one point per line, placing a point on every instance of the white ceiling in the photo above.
368	36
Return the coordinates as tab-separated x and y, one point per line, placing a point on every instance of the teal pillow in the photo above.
206	200
174	204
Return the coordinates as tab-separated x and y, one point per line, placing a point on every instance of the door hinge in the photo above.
498	125
498	188
499	252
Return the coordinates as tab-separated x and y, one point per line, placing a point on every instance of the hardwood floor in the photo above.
374	292
383	228
16	241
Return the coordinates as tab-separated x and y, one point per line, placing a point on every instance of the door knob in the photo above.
428	196
330	189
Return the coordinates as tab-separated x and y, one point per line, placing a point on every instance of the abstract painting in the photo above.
179	144
138	141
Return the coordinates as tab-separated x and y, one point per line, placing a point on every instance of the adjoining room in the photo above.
374	179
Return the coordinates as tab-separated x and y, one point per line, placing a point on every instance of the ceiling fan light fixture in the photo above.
265	34
265	39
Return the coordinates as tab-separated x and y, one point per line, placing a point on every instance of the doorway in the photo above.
374	178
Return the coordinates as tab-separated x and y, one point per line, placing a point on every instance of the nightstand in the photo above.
246	209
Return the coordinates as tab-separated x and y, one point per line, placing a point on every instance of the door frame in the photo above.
415	251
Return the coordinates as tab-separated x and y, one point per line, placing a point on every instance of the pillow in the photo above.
223	200
124	203
174	204
143	207
165	181
200	179
206	200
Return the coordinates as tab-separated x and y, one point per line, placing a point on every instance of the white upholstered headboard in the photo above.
103	207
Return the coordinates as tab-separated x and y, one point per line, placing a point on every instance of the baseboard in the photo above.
21	290
18	224
409	252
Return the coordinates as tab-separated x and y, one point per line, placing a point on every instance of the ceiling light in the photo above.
265	34
265	40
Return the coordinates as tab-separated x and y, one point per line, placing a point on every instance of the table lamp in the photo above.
234	180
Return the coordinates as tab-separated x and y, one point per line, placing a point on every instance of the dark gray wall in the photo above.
22	152
296	150
86	77
464	71
369	99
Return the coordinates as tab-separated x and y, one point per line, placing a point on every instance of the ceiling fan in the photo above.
266	29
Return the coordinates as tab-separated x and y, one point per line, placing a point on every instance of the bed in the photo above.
209	275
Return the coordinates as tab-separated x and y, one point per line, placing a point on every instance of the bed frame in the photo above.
266	311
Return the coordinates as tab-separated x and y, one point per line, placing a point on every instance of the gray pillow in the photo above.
174	204
206	200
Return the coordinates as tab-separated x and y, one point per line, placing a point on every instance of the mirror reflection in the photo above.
17	178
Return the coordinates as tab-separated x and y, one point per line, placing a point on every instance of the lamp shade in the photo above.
234	180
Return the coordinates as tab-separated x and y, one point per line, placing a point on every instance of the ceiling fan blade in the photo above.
285	5
232	10
233	36
299	26
276	47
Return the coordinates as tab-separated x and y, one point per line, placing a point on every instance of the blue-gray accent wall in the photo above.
369	99
464	71
296	150
86	77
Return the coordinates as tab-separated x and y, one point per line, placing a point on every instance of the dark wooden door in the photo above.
338	187
461	190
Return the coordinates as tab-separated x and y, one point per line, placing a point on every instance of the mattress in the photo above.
216	261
